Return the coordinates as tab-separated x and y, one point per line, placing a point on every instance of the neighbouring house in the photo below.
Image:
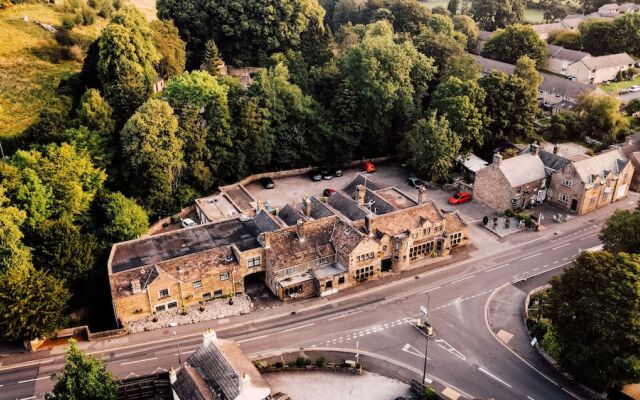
219	370
470	165
614	10
631	149
588	183
585	68
310	249
513	183
552	90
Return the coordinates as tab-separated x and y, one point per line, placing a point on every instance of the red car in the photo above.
328	192
368	167
459	198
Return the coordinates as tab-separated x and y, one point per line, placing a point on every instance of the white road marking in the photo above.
253	338
565	259
587	237
296	327
484	371
344	315
555	262
463	279
34	379
562	245
139	361
530	398
412	350
446	346
430	290
495	268
531	256
28	398
184	352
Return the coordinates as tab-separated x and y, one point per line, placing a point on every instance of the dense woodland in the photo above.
341	80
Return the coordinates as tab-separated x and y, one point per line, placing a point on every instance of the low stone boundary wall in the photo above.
157	226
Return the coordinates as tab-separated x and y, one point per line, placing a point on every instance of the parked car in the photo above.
634	88
337	172
268	183
415	182
326	174
624	91
328	192
315	176
459	198
368	167
188	223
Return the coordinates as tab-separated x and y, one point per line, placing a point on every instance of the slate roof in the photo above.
265	222
612	60
379	205
286	249
319	210
553	161
472	162
411	218
189	384
359	179
600	165
562	53
523	169
346	206
290	215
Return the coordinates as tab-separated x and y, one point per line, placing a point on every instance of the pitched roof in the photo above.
472	162
562	53
547	28
351	188
612	60
319	210
265	222
523	169
411	218
553	161
345	237
286	249
600	164
290	215
378	205
346	206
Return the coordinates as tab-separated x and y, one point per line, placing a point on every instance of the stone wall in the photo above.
492	188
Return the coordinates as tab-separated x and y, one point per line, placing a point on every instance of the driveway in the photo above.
625	98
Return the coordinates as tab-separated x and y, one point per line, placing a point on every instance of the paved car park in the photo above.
294	189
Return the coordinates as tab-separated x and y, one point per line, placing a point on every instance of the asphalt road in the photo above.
464	355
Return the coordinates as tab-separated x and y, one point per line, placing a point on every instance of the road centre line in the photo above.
489	374
463	279
253	338
562	245
431	289
139	361
530	398
297	327
495	268
34	379
531	256
587	237
344	315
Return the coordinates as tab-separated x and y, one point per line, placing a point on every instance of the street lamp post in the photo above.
426	350
178	344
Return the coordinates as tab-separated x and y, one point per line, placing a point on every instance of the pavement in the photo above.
464	357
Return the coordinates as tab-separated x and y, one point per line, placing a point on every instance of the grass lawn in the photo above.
29	73
531	15
615	87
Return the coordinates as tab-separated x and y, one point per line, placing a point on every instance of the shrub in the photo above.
64	38
88	15
68	22
485	220
307	361
261	364
300	362
429	394
279	365
509	212
320	361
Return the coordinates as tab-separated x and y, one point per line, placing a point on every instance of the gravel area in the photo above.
214	309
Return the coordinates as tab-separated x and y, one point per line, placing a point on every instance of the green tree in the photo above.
153	156
34	197
462	104
212	59
196	89
430	148
122	218
83	377
95	113
526	69
467	26
243	37
515	41
63	250
171	48
32	303
127	57
632	107
601	118
408	15
511	106
627	34
438	46
98	146
496	14
462	66
453	6
566	38
440	24
594	307
554	10
565	125
12	252
598	37
621	232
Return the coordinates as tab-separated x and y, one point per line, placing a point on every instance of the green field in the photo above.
531	15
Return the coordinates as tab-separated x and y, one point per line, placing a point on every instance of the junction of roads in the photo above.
475	309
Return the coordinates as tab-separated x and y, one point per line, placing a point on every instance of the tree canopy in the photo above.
516	41
125	219
172	49
496	14
621	232
594	307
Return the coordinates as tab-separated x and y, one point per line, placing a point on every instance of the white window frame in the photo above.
163	290
224	276
254	262
197	284
567	182
563	198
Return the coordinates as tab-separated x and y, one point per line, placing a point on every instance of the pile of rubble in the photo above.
214	309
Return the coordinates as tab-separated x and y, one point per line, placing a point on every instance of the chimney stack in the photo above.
535	149
173	377
368	225
361	194
422	195
497	159
555	149
307	206
300	229
209	336
259	205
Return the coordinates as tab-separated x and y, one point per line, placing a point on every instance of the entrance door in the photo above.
574	205
386	264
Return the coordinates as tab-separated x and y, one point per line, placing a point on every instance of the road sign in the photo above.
534	341
424	311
